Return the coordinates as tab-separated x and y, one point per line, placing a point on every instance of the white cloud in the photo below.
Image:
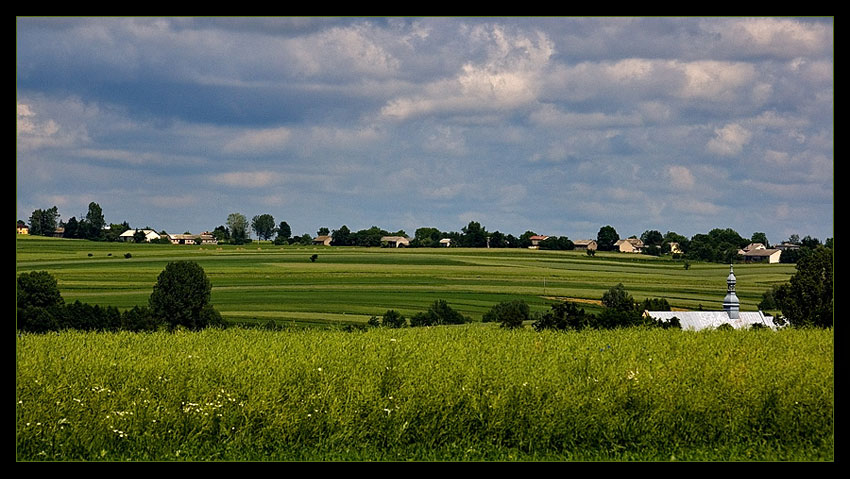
507	79
729	140
263	140
681	177
247	179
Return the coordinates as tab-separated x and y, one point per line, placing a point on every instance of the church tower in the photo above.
730	303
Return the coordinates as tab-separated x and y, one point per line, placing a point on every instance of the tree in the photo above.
807	300
181	296
94	222
44	222
139	236
341	237
284	232
221	233
238	226
652	238
263	226
38	289
760	238
474	235
323	231
606	237
509	314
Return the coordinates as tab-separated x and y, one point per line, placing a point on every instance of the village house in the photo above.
731	313
536	240
447	242
630	245
23	229
757	252
585	244
205	238
129	235
674	248
395	241
323	240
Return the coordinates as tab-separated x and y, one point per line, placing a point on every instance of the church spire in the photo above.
730	303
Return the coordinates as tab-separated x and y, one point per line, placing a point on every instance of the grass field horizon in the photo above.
472	392
260	282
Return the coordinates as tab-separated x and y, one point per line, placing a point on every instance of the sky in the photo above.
556	125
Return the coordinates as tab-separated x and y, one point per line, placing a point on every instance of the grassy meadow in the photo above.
472	392
263	282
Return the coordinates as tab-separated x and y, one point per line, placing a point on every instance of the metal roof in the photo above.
697	320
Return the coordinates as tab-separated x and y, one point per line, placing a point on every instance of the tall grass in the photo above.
470	392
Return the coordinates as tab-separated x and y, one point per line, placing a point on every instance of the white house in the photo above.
395	241
129	235
630	245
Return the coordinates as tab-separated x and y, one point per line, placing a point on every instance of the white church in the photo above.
731	314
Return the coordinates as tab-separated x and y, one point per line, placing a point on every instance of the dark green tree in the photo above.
38	289
652	238
807	300
760	238
44	222
342	237
181	296
509	314
263	226
284	233
474	235
606	237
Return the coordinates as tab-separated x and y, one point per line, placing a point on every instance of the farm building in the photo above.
630	245
395	241
731	314
150	235
674	248
762	255
201	239
446	242
585	244
324	240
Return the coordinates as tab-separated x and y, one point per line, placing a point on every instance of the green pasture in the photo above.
262	282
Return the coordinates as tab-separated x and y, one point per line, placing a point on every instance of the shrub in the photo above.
563	316
509	314
438	313
393	319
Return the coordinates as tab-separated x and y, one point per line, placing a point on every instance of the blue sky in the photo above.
555	125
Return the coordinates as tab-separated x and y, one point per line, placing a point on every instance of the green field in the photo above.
262	282
470	392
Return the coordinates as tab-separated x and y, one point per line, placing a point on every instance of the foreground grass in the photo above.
472	392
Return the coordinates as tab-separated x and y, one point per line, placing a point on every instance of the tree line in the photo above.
180	299
719	245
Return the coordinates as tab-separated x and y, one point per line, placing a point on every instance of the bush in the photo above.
181	296
563	316
509	314
393	319
438	313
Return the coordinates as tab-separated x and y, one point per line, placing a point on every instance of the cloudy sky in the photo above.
555	125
